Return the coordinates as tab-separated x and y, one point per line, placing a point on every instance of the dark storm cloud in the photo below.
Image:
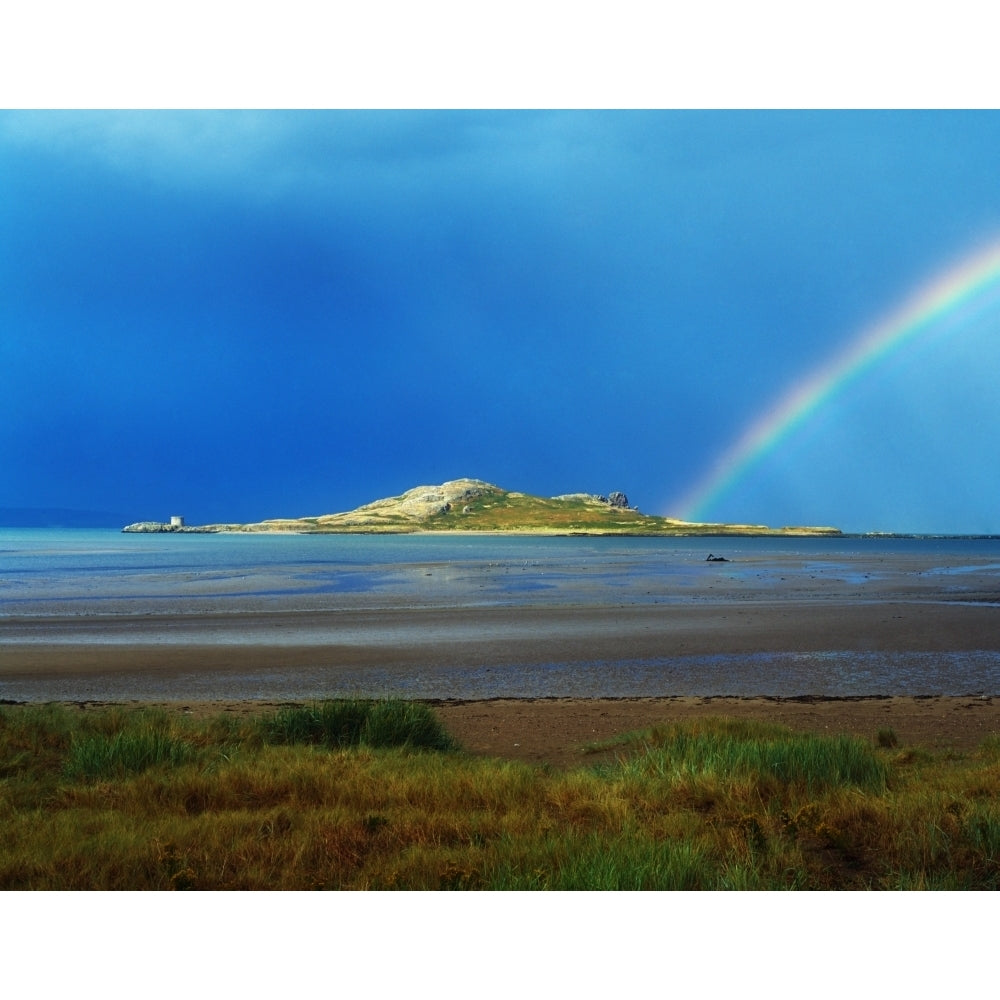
246	314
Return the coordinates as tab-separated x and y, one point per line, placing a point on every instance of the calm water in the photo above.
76	575
51	572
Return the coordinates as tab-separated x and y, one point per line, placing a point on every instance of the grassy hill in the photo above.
471	505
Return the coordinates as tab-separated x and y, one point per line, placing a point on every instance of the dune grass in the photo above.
357	722
771	756
375	795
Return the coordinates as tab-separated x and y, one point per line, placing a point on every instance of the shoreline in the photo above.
559	732
753	648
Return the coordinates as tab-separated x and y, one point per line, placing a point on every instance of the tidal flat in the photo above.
101	616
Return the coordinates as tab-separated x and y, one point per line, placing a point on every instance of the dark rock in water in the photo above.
712	558
618	500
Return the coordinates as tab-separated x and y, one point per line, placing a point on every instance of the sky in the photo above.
238	315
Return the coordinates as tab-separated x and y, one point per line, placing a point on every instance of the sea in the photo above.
56	583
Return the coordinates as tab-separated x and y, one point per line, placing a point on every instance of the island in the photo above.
472	505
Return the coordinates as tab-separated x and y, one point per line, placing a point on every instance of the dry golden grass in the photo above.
714	804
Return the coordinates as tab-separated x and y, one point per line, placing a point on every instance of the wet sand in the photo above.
489	652
538	682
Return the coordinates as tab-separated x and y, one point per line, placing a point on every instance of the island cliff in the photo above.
472	505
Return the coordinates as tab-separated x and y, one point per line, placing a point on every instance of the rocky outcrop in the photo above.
616	499
414	505
585	497
160	527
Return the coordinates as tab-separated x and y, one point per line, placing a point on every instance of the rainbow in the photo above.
966	286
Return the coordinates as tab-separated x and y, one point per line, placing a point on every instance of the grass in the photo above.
503	511
357	722
772	757
366	794
496	509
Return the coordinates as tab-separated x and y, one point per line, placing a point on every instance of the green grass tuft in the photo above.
769	754
398	723
358	722
619	864
127	752
887	738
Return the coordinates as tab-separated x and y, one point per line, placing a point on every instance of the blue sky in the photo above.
241	315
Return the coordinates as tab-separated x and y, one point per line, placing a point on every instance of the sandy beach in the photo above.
557	731
284	656
530	652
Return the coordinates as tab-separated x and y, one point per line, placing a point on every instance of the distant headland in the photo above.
472	505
